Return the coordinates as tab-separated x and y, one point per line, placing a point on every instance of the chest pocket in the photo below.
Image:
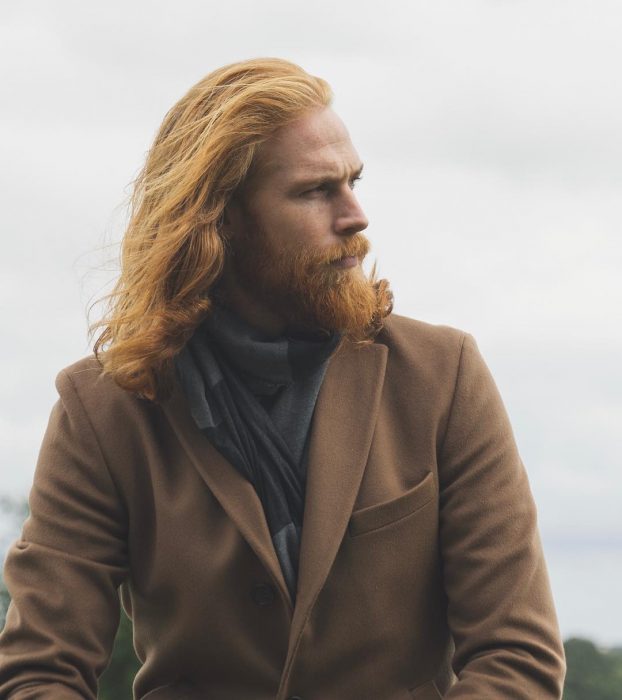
382	514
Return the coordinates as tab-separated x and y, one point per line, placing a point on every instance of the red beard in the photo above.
306	289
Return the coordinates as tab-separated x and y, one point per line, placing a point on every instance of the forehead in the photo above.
318	142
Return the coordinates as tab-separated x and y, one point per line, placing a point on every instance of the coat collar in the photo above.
341	433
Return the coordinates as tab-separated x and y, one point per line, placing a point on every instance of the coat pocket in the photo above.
377	516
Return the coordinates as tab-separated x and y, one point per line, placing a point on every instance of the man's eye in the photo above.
324	187
328	187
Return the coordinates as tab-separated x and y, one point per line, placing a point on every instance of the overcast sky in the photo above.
491	135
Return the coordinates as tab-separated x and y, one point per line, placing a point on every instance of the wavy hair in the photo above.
172	251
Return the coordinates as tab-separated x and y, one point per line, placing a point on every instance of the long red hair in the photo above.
172	252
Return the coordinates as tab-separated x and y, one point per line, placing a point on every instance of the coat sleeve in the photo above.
500	608
64	572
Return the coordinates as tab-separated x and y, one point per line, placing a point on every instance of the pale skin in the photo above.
301	193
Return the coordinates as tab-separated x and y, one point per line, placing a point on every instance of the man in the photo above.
300	494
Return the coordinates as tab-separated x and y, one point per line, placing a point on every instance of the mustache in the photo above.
358	246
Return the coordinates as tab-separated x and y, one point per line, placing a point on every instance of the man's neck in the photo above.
250	309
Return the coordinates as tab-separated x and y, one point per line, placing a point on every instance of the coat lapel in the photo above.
341	434
235	494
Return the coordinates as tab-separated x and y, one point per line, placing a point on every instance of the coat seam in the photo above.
454	394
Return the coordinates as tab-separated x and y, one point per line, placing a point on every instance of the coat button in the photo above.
262	594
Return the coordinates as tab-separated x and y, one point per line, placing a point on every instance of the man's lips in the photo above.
348	261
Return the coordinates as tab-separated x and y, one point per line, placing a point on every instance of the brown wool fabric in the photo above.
421	571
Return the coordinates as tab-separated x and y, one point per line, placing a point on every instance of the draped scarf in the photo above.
253	397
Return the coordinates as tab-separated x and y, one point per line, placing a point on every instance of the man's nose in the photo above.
350	217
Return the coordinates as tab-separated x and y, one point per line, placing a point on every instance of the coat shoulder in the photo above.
86	377
83	373
421	342
84	386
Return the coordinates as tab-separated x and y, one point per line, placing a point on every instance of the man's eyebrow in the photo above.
324	175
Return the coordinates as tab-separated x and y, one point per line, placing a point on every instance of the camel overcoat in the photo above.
421	571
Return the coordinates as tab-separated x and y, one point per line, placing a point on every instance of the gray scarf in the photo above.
253	397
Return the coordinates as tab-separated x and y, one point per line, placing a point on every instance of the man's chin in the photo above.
347	308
